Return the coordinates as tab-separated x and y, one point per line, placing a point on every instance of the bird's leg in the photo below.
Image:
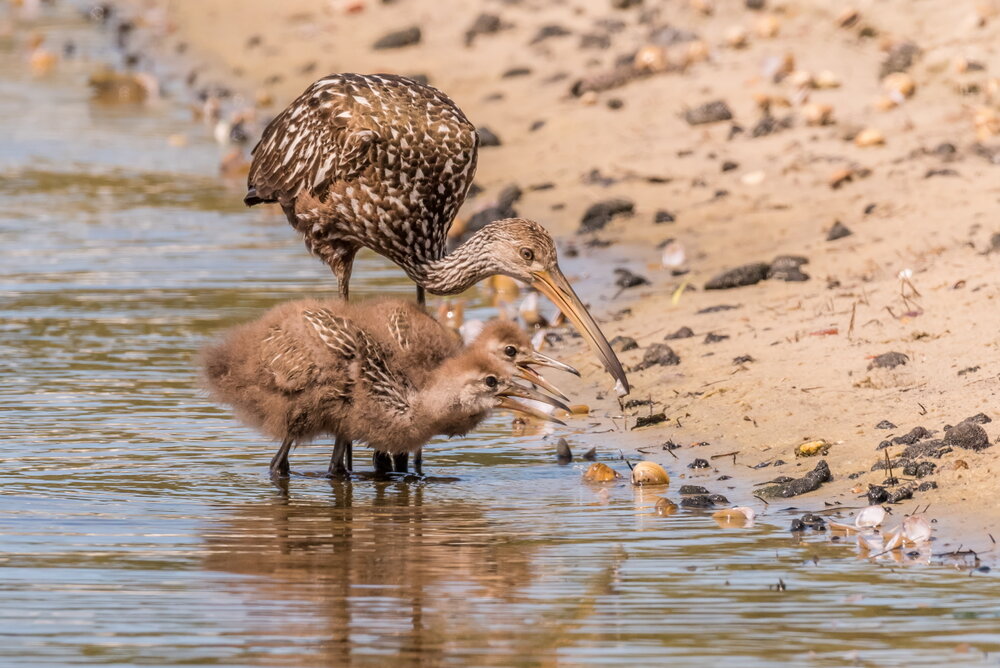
342	261
337	468
382	462
400	462
279	463
418	462
421	296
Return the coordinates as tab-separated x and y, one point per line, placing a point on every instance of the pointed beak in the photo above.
544	360
518	407
533	377
515	390
554	285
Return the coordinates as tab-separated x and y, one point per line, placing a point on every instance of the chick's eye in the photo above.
527	254
510	351
491	381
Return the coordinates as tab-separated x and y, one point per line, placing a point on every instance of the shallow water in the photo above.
139	526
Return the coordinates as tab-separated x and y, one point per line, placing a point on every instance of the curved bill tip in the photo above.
554	285
533	377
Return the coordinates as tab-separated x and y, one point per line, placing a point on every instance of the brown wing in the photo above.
291	368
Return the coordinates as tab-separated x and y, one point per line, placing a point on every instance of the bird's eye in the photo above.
491	381
510	351
527	254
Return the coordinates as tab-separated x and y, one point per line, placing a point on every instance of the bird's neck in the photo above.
459	270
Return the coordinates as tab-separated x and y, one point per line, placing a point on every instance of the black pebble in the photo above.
699	464
747	274
626	279
621	344
968	435
487	137
682	333
698	501
693	489
663	216
729	166
647	420
712	337
600	214
710	112
885	424
658	354
787	268
838	231
888	361
399	38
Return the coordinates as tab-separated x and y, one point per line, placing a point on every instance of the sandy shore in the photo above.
792	360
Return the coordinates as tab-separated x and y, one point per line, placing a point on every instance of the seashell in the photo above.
885	103
826	79
736	37
649	473
589	98
673	256
579	409
870	517
753	178
801	79
869	137
651	58
840	176
987	122
768	27
848	17
600	472
705	7
812	448
899	86
916	529
893	540
840	528
696	52
817	114
665	507
734	518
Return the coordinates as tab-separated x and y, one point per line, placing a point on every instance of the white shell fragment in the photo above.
870	517
916	529
736	517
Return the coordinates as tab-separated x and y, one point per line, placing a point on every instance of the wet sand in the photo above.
918	206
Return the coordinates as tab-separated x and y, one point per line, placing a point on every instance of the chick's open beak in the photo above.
515	390
554	285
533	377
518	407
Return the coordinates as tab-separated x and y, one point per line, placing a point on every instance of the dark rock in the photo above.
888	361
968	370
487	137
698	501
729	166
622	344
797	526
786	268
899	59
979	418
693	489
968	435
919	469
712	337
626	279
648	420
663	216
943	171
519	72
761	465
699	464
892	464
658	354
742	359
927	485
779	462
636	403
807	483
625	4
600	214
768	125
548	31
590	455
885	424
717	309
934	448
485	24
814	522
682	333
747	274
669	445
718	499
615	103
838	231
901	493
710	112
563	453
912	436
755	5
399	38
595	40
877	495
666	35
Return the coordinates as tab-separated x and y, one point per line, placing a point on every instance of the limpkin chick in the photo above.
421	344
309	368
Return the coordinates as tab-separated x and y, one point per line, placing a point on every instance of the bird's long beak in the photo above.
536	357
533	377
515	390
554	285
518	407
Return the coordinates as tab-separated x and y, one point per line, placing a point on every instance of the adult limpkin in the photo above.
383	162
